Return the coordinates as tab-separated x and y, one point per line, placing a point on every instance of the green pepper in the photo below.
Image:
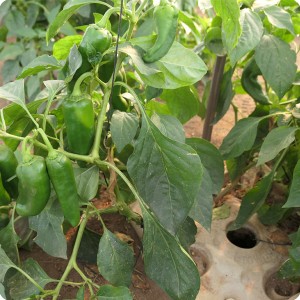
250	84
34	186
79	120
62	177
166	18
94	43
4	196
8	165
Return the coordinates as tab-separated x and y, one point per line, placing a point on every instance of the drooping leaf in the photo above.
161	170
14	92
166	262
252	31
9	241
168	72
278	64
183	103
169	126
280	18
109	292
186	233
253	200
5	264
240	138
39	64
123	128
115	259
202	208
87	181
49	232
277	140
68	10
229	11
294	194
20	287
62	47
211	159
73	63
213	41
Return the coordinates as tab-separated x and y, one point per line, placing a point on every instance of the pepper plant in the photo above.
99	119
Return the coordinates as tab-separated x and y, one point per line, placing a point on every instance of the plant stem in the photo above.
72	261
45	139
101	119
76	89
213	96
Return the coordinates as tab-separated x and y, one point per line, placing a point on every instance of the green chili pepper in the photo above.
34	186
62	177
166	18
94	43
250	84
4	196
8	165
79	120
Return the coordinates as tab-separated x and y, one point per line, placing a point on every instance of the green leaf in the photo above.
123	128
225	96
169	126
2	291
5	264
183	103
252	31
277	140
211	159
202	208
115	259
280	18
166	262
80	294
21	288
294	199
186	233
68	10
240	138
169	72
62	47
213	41
253	200
14	92
109	292
87	181
277	63
39	64
54	86
229	11
11	51
9	241
10	70
48	227
161	170
14	112
73	63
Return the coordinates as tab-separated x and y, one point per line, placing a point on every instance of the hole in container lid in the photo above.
242	238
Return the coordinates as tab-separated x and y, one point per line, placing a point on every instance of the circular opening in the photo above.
276	286
242	238
201	260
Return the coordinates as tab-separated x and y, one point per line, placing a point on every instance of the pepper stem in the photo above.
77	90
26	150
102	23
